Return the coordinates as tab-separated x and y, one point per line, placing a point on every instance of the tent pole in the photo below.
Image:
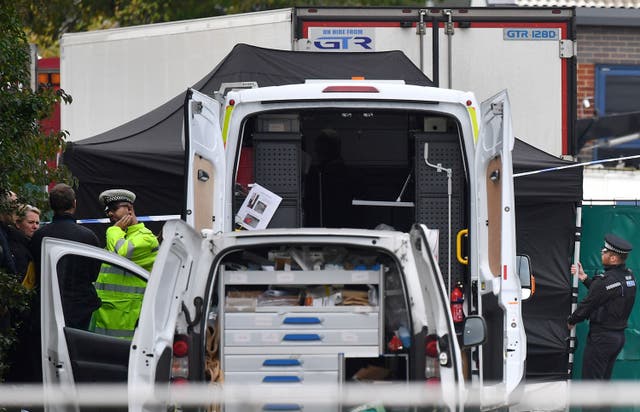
574	287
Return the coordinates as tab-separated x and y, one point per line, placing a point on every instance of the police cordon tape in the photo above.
593	162
157	218
548	396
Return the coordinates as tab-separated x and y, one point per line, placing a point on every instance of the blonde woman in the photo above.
28	220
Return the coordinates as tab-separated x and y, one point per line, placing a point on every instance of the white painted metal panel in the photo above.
530	70
117	75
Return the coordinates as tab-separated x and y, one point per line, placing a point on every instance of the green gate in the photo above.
624	221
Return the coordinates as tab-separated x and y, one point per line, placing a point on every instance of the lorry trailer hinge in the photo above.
568	49
448	26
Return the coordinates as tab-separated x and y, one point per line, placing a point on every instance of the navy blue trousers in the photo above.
600	354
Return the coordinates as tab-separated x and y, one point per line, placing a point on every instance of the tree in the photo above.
24	149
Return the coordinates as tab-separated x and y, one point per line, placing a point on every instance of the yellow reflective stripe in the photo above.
120	288
474	122
225	124
116	333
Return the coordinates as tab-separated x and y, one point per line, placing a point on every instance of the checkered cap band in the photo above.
612	248
117	195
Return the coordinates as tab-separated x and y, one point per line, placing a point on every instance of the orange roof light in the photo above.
357	77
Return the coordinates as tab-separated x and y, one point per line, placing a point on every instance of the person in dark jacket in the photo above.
27	222
7	200
76	274
607	306
19	246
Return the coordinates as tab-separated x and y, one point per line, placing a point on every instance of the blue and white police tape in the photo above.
158	218
551	169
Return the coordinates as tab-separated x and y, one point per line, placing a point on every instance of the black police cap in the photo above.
616	244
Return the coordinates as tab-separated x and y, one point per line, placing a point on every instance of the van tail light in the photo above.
180	360
350	89
432	363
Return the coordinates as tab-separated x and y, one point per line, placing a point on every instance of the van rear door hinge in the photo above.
568	49
196	107
497	108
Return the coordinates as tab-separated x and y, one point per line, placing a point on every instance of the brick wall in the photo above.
585	89
612	45
602	45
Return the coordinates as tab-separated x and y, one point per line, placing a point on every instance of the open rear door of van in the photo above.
498	283
434	290
205	161
152	347
185	254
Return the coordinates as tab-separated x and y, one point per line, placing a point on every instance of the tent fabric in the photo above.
146	155
545	225
537	188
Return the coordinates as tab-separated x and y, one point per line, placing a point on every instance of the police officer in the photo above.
121	292
607	306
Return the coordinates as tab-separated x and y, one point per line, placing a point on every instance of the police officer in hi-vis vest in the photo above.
607	306
121	292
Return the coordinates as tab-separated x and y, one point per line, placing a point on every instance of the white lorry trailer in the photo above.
118	75
277	299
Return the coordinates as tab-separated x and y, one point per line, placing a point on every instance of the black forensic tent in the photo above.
146	155
545	223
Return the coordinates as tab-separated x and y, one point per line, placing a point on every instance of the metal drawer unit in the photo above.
291	345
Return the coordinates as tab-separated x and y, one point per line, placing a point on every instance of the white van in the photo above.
294	304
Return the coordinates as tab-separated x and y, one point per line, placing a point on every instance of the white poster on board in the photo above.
258	208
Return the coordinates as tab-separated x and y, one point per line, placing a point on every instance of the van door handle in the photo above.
281	379
302	321
281	407
298	337
281	362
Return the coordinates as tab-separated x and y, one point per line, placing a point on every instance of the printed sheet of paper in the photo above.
258	208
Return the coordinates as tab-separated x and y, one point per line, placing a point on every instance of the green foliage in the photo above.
24	149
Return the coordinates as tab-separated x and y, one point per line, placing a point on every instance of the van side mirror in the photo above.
527	280
474	331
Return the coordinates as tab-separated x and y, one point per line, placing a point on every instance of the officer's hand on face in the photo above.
570	326
124	222
577	269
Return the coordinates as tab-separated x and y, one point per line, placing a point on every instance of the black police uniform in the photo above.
608	306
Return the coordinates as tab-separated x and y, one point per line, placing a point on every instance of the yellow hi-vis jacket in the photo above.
122	292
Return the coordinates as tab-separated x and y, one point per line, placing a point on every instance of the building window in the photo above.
617	89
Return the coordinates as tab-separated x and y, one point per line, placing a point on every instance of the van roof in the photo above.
351	89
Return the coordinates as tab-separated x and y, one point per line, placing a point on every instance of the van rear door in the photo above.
185	254
152	346
206	173
499	287
436	302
